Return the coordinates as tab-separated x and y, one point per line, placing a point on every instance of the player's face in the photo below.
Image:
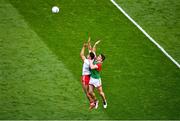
99	58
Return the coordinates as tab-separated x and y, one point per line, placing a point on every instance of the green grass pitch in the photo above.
40	67
160	18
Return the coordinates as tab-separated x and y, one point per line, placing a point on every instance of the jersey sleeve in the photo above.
99	67
86	61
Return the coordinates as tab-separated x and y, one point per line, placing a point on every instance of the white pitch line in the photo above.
146	34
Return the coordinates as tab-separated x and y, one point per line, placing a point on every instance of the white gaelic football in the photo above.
55	9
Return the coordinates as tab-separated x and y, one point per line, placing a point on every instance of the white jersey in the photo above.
86	67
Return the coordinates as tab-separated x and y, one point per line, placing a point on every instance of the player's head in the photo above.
91	56
101	58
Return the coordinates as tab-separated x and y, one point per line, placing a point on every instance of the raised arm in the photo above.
94	47
89	44
82	52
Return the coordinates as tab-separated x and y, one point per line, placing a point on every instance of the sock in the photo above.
104	102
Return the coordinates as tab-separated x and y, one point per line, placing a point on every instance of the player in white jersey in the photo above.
86	68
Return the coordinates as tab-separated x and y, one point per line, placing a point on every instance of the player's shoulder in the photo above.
86	60
99	66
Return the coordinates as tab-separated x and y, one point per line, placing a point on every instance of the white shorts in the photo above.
95	82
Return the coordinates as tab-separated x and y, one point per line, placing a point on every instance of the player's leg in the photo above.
92	84
95	83
88	94
93	96
85	88
85	85
100	90
101	93
91	92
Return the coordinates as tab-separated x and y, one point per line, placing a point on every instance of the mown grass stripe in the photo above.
146	34
34	83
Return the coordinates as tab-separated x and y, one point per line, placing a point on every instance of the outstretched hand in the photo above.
98	42
89	39
85	45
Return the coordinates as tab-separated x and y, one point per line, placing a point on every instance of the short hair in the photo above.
91	54
103	57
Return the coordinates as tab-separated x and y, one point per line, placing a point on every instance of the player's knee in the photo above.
87	93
